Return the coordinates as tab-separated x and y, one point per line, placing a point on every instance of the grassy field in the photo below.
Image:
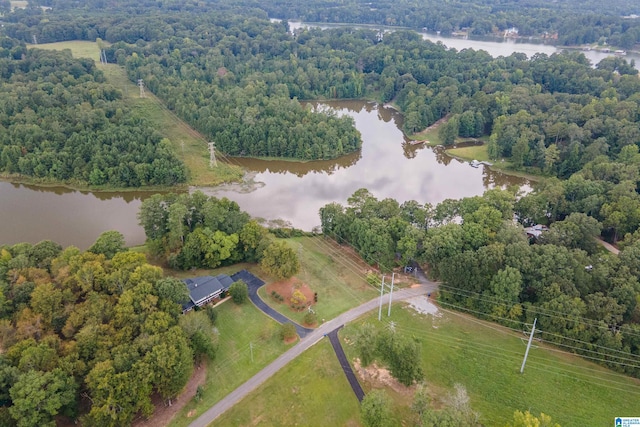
335	273
477	152
248	341
483	357
430	135
188	144
486	359
311	391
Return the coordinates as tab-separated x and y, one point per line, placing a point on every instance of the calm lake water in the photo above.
387	165
494	46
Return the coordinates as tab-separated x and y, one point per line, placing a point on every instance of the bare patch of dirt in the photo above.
434	125
381	377
291	340
285	288
163	414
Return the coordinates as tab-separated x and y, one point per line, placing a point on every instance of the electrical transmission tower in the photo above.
212	154
103	57
35	39
141	86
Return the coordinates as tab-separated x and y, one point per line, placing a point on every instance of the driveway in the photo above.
313	337
254	283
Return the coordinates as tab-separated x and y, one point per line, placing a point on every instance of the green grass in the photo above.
486	359
430	135
244	330
336	275
188	144
477	152
78	48
311	391
332	272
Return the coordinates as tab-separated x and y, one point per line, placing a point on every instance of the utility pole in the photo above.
212	155
381	291
141	86
526	353
391	294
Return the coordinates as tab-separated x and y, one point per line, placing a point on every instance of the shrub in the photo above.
310	318
288	331
212	313
298	297
239	292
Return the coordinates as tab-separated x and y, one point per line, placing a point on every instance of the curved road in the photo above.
313	337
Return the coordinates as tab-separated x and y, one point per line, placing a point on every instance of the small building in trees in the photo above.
204	289
534	232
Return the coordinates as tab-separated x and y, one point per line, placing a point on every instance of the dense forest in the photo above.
571	21
586	299
236	78
60	121
196	231
91	336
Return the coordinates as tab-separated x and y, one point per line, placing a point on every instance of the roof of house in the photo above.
201	288
536	230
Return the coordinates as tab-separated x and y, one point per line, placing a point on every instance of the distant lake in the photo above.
494	46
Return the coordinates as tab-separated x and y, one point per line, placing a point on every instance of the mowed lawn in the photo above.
337	277
474	152
311	391
248	340
486	359
188	144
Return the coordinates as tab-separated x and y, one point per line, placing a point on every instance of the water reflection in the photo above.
292	191
387	165
70	217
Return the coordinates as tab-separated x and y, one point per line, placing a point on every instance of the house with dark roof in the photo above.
204	289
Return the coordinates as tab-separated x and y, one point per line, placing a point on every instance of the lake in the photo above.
292	191
494	46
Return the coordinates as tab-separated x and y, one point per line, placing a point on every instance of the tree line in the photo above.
584	297
89	330
197	231
574	22
60	121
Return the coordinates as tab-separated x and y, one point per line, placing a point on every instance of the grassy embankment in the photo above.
483	357
188	144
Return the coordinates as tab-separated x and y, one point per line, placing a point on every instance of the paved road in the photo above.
313	337
344	363
254	283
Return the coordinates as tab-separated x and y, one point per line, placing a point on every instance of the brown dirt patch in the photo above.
163	413
378	377
285	288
